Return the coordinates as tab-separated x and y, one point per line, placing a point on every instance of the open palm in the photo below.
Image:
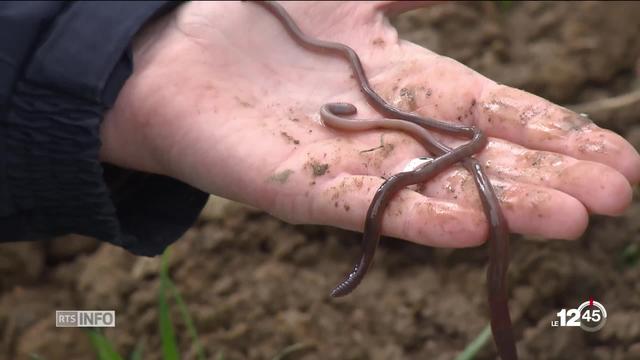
223	99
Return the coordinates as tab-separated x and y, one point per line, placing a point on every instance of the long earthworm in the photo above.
498	230
331	115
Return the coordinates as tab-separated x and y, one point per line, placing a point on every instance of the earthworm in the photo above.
498	230
331	115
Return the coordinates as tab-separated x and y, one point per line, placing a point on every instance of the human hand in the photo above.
223	99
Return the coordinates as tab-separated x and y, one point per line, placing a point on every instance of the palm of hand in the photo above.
233	110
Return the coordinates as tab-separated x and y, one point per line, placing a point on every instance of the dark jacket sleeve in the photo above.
62	65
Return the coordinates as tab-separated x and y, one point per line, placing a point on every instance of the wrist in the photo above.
125	141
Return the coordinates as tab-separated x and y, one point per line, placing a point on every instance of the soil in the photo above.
257	287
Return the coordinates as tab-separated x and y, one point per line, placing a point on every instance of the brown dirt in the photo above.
255	285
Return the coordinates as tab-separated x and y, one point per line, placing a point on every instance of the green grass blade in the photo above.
137	351
167	336
102	346
476	345
505	5
631	255
35	357
187	319
94	337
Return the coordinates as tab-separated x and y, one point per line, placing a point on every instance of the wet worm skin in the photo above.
415	125
331	116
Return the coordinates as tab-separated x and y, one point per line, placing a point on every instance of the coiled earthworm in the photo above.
498	230
331	115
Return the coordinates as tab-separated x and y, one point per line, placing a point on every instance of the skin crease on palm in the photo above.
223	99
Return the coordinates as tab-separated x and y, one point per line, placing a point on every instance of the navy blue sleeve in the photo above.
62	65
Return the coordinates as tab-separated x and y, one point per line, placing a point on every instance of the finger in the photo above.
344	202
452	217
599	187
442	88
529	209
536	123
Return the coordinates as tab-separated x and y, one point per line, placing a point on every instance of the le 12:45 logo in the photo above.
589	316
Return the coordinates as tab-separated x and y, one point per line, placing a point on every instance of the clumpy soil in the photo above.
258	288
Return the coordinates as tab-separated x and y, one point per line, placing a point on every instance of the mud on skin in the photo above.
429	303
417	126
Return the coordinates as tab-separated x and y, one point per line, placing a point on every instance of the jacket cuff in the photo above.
52	134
